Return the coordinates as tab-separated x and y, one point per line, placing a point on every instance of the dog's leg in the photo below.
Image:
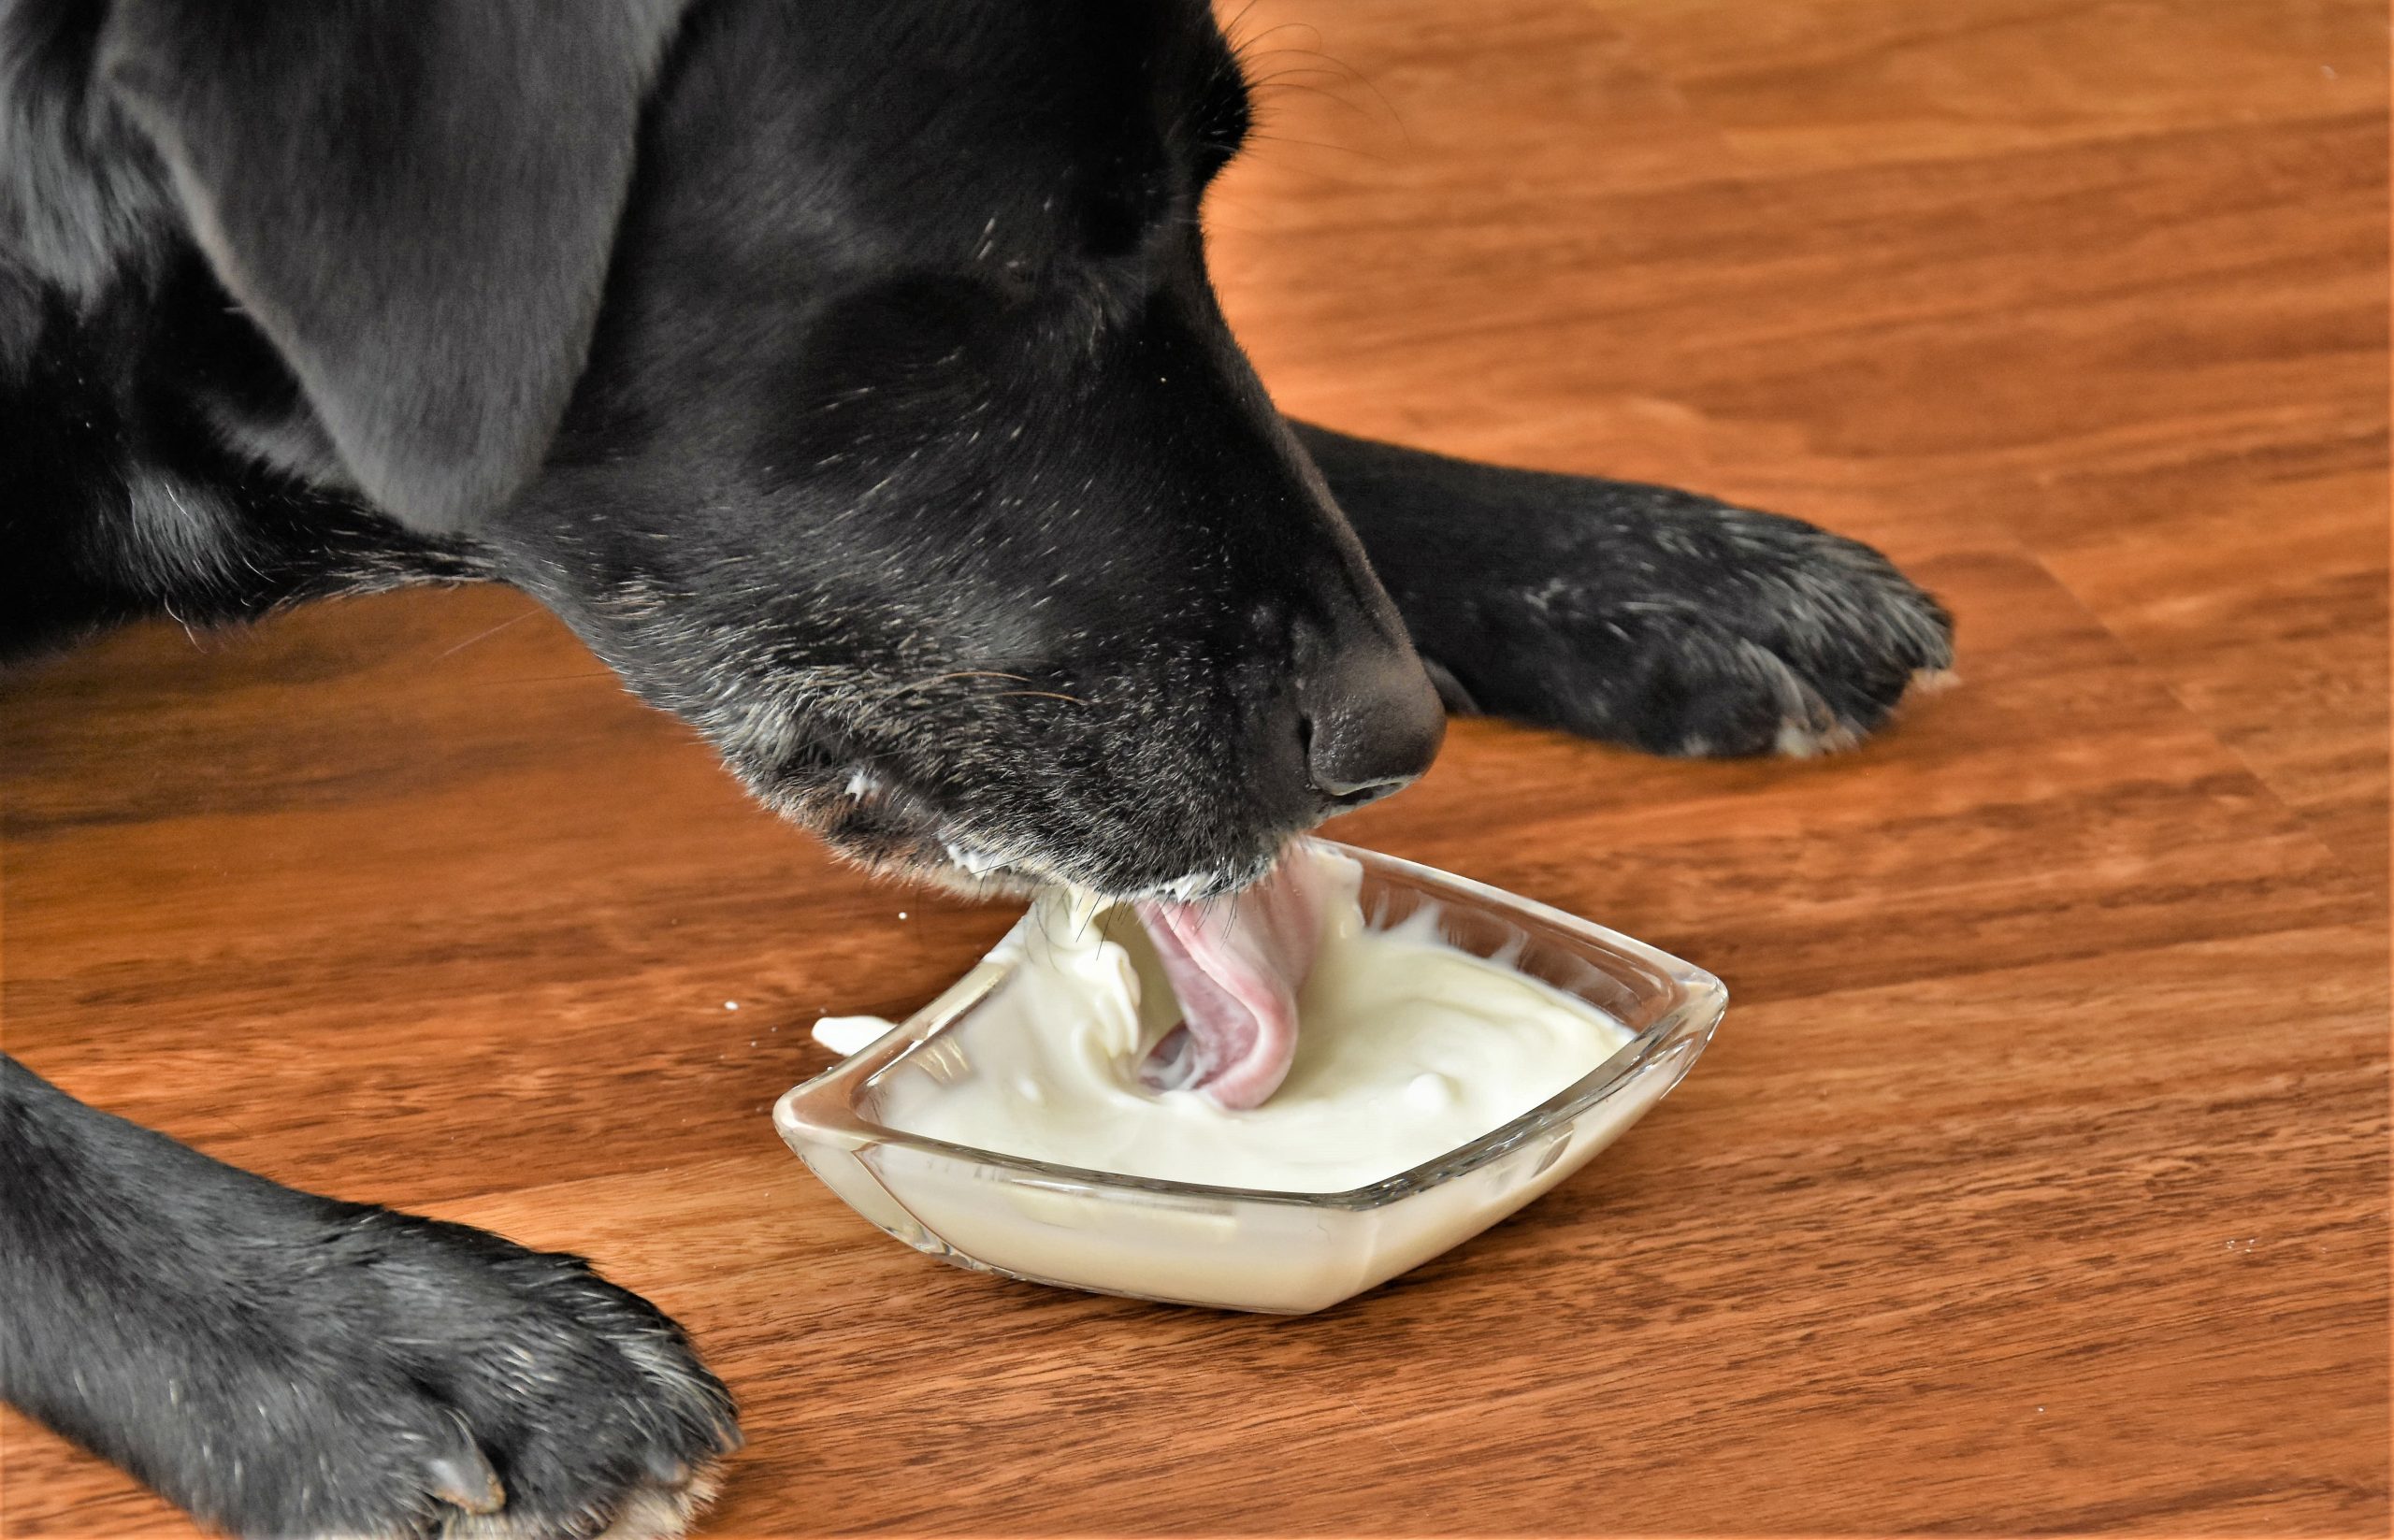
279	1363
1636	614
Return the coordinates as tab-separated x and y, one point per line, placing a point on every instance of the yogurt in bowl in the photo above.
1462	1051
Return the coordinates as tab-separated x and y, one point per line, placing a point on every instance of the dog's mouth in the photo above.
1236	943
886	825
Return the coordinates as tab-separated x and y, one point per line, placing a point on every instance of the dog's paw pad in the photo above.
1810	740
1928	681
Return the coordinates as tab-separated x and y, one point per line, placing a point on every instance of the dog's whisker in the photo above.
1039	695
553	679
931	680
1372	155
1334	66
1245	49
1229	28
483	636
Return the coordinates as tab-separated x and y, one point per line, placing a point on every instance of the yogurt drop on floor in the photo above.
1409	1048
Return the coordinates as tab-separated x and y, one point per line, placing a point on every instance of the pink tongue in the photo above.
1236	964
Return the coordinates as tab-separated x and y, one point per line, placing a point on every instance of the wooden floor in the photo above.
2038	1179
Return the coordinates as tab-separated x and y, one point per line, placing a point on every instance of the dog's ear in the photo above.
415	201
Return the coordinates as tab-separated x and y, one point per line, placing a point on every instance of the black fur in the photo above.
846	375
284	1365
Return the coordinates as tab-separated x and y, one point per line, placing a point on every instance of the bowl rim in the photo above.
822	1108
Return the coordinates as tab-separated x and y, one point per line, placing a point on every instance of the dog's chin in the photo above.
962	868
900	834
949	860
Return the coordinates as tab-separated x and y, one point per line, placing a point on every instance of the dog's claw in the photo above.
462	1477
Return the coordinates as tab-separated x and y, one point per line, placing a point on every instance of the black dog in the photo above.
845	373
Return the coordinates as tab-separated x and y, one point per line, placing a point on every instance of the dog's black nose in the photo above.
1372	724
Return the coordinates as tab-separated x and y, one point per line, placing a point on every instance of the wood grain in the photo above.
2039	1177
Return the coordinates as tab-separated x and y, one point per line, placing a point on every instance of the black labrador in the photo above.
845	373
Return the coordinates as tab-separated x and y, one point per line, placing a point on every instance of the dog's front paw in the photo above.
1684	627
391	1375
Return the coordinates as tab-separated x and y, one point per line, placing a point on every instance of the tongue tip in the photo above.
1179	1063
1236	971
1237	1093
1172	1065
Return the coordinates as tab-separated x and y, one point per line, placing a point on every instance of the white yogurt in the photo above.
1409	1048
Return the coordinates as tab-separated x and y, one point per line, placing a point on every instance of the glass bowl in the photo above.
1234	1249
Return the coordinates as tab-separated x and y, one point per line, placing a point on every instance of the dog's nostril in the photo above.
1345	793
1358	796
1370	726
1355	792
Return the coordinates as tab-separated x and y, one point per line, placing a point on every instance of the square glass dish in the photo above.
1235	1248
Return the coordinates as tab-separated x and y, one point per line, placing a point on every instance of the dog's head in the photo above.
845	372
